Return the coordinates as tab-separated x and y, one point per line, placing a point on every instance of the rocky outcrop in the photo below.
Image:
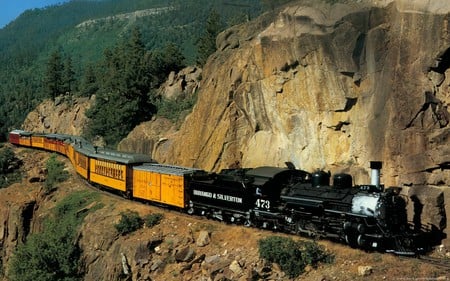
65	115
148	136
15	221
20	214
181	84
327	86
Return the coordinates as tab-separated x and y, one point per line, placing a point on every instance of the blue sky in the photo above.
11	9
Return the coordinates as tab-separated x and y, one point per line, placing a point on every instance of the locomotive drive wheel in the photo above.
351	240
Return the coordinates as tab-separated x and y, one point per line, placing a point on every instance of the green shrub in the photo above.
129	222
174	109
55	173
9	166
292	256
54	254
7	158
153	219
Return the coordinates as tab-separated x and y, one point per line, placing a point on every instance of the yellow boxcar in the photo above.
161	183
37	141
108	173
81	164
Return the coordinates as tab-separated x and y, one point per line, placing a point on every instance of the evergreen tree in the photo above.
160	63
207	43
53	75
173	59
68	76
122	100
89	85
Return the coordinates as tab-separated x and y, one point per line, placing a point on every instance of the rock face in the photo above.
64	116
327	87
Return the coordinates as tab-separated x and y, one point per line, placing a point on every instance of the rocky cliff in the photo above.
65	115
319	85
327	87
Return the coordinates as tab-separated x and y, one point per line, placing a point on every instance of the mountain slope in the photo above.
82	30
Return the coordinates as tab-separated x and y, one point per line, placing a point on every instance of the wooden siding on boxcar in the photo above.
14	137
61	147
161	184
70	153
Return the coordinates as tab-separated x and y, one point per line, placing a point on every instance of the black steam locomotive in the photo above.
295	201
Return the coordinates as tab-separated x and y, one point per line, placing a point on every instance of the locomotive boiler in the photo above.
250	196
364	216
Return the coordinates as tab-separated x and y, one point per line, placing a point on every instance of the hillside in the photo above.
81	30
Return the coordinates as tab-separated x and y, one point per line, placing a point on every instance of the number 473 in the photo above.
263	204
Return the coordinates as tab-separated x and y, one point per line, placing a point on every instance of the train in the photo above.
285	199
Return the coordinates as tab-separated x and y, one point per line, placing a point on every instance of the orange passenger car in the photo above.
81	164
49	144
109	173
70	153
161	183
56	143
37	140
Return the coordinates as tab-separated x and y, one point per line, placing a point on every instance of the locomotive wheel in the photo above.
351	240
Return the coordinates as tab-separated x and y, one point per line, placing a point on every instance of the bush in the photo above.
292	256
153	219
7	158
9	165
55	173
129	222
174	109
54	254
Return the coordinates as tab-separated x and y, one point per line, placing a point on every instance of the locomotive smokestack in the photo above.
375	166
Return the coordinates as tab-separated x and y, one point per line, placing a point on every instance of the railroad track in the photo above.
439	262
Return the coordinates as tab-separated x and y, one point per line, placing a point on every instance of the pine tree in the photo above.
53	76
207	43
68	76
173	59
122	100
89	84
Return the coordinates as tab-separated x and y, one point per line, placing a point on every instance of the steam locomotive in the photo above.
283	199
